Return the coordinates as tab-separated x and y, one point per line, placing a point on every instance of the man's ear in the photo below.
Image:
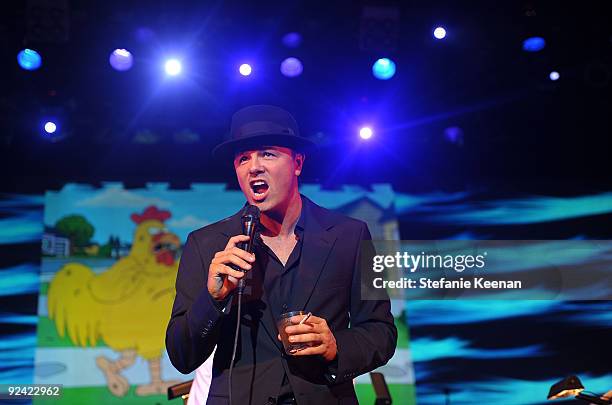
299	163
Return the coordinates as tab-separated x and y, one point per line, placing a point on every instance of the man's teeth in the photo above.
259	187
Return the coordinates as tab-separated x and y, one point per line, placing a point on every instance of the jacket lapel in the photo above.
254	288
317	246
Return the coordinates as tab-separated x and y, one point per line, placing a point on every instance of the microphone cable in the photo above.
231	369
250	221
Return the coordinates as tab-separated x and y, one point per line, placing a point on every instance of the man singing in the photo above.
305	258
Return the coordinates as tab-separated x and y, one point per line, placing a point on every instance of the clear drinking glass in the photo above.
282	323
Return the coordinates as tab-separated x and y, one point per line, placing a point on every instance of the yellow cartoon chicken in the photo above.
127	306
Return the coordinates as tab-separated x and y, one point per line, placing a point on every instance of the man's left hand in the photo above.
316	333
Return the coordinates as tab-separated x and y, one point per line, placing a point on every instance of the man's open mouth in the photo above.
259	188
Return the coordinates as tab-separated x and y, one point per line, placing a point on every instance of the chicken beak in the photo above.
165	247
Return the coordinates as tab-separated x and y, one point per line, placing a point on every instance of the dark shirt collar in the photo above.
301	223
299	226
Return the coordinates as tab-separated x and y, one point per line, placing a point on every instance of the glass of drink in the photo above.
282	323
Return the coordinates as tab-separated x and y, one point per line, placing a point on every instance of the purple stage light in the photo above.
121	60
554	75
291	67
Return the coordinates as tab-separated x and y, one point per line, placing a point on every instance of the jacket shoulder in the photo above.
223	226
338	220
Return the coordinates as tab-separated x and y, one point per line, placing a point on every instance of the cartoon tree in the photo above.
76	228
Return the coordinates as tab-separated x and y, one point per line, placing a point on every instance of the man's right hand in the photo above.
222	279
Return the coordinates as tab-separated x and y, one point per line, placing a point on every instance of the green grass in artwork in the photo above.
47	335
101	395
401	394
403	337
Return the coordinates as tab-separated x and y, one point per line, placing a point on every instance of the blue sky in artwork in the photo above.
109	207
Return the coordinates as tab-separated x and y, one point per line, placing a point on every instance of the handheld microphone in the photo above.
250	222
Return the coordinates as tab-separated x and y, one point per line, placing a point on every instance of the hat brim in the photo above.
228	149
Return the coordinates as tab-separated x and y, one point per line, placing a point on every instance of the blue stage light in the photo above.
291	67
454	135
173	67
121	60
292	40
144	34
245	69
534	44
29	59
554	75
50	127
366	133
439	33
383	69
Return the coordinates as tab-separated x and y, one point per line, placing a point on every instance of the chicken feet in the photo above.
156	386
117	384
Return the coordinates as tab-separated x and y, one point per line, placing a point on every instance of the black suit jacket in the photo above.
329	287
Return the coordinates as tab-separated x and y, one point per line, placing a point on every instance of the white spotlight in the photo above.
365	133
173	67
439	33
554	75
50	127
245	69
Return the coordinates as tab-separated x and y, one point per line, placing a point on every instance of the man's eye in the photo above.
268	154
242	159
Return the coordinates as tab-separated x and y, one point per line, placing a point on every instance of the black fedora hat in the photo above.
262	125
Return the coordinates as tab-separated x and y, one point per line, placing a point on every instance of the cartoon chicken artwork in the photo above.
126	307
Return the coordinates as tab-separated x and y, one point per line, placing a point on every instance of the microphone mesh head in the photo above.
252	211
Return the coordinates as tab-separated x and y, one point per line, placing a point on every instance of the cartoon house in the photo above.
381	221
53	244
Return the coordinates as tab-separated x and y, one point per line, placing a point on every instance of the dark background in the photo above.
523	135
521	130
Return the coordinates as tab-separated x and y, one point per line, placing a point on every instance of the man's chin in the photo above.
258	201
269	203
263	205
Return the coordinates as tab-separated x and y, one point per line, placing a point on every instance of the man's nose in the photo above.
256	166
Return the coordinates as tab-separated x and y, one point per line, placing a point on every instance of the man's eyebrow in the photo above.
260	149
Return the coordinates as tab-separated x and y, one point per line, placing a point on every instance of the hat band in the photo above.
261	127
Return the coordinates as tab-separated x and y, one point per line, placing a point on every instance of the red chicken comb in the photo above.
151	212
